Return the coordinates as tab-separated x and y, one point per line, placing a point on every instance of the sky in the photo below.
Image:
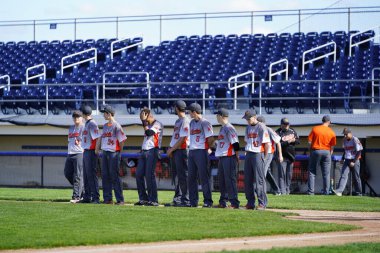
170	29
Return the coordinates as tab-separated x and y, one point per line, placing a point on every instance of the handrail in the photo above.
320	57
8	86
80	62
235	87
123	48
286	70
122	73
375	85
38	75
360	42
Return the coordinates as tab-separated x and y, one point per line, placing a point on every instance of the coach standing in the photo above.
227	150
178	153
289	138
90	135
322	140
74	162
111	143
351	161
257	147
147	162
201	138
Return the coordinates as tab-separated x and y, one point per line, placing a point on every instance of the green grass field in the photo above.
37	218
353	247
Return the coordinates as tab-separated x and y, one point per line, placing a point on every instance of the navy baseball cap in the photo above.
326	118
181	105
109	109
346	130
77	114
249	114
195	107
285	121
223	112
261	119
86	110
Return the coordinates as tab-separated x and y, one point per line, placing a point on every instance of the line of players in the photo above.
189	150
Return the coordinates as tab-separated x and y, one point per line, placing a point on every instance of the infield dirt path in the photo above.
370	232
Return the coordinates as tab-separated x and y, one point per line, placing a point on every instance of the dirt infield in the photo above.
369	232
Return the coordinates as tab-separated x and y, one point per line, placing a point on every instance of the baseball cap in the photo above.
346	130
77	114
261	119
326	118
223	112
108	109
249	114
86	110
180	104
195	107
284	121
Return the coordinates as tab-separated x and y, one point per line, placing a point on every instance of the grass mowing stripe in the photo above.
47	224
317	202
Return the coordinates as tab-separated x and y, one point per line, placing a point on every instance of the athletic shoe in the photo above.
152	203
207	206
108	202
75	201
220	206
95	202
277	194
233	207
172	204
85	201
337	193
120	203
141	203
260	208
249	207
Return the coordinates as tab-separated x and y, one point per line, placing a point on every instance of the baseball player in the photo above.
111	143
322	140
74	162
257	148
201	138
275	148
147	162
178	153
289	138
90	136
351	161
227	150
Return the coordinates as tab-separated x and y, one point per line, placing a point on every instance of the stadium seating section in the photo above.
190	60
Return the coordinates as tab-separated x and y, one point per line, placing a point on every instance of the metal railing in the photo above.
374	84
351	45
319	57
35	76
237	86
286	70
79	62
113	51
8	86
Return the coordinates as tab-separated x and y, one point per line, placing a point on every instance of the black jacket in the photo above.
288	149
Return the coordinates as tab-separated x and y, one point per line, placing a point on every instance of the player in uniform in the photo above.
257	147
90	136
289	138
227	150
201	138
351	161
275	148
178	153
147	162
111	143
322	140
74	162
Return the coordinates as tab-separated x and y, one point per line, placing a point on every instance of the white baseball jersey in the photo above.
227	136
351	147
181	129
256	136
199	132
153	141
90	134
112	135
274	139
75	140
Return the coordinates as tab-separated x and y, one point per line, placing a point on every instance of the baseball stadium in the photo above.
190	126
